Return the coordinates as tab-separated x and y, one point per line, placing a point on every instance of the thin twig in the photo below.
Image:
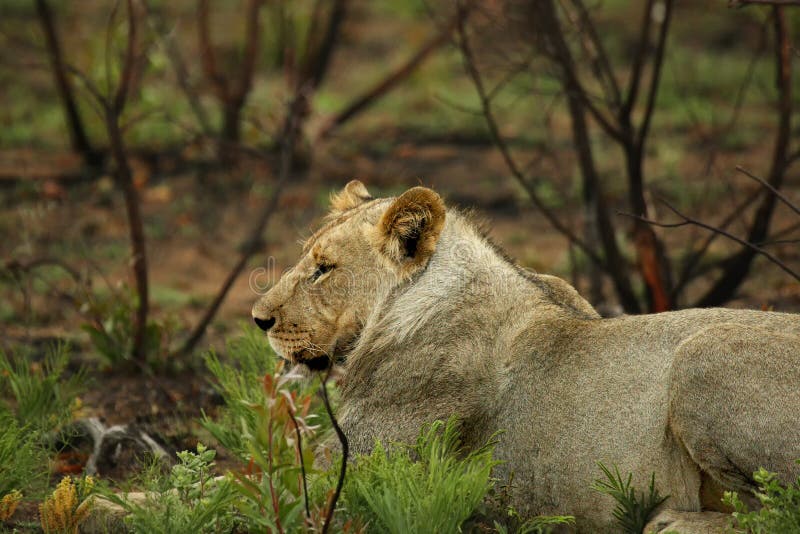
300	454
774	191
254	240
384	86
500	142
690	221
655	77
744	3
737	268
77	132
689	268
181	71
345	450
638	62
605	70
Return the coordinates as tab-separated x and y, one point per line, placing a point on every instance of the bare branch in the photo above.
690	266
774	191
345	450
254	241
129	63
599	223
744	3
638	62
207	52
181	72
77	132
319	59
499	141
250	53
739	265
374	93
655	78
604	65
690	221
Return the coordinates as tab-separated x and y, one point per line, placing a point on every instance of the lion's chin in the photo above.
318	363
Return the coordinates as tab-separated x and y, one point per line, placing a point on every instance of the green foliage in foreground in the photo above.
426	487
273	422
22	461
39	394
36	399
189	500
632	511
780	510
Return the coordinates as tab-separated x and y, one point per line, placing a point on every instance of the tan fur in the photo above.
353	194
458	329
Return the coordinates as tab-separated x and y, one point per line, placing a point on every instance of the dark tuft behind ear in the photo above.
409	229
353	194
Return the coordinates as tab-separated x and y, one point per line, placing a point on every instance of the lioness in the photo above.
427	319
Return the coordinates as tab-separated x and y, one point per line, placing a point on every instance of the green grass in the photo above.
780	506
633	509
428	487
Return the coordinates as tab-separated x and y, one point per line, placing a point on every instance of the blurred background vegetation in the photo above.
154	155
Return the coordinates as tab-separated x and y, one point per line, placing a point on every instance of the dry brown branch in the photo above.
738	265
744	3
594	198
686	220
345	451
77	133
319	56
392	80
231	91
691	264
113	111
792	206
254	240
639	61
605	72
173	52
111	105
470	66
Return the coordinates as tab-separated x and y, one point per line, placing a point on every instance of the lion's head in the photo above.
314	314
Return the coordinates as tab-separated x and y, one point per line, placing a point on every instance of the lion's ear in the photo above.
353	194
409	229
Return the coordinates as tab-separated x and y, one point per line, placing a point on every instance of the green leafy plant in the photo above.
112	328
780	506
40	394
274	492
36	398
23	463
427	487
632	511
189	500
239	379
535	525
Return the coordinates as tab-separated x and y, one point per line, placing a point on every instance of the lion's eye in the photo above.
321	269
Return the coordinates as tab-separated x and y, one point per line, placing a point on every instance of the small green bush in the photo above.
780	506
23	463
112	330
239	379
36	399
189	500
632	511
426	487
40	394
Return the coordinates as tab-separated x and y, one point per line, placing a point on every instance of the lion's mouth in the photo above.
316	360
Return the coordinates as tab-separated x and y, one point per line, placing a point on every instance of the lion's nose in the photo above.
264	324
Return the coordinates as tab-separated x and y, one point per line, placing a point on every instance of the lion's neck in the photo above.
448	302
